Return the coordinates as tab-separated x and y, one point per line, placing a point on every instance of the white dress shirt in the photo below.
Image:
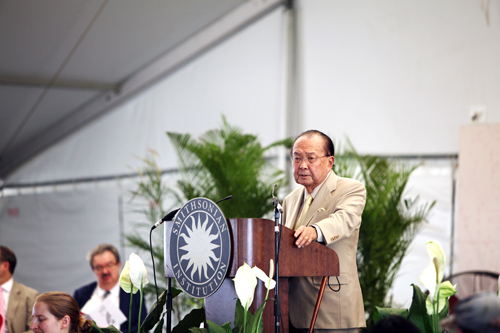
98	296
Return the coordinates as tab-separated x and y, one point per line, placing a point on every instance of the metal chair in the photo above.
470	282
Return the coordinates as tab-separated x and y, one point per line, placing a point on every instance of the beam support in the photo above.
39	82
226	26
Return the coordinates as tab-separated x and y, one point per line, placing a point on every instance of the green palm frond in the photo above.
224	162
389	222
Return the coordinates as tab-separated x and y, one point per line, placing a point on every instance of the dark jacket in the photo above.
83	294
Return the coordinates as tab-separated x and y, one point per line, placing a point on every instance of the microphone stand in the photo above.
169	305
277	213
169	302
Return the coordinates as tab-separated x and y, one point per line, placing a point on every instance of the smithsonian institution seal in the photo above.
200	247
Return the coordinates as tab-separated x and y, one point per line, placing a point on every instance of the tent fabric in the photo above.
240	78
51	234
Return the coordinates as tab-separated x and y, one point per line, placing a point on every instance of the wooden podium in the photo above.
253	242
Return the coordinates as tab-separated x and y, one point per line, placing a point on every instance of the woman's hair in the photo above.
61	304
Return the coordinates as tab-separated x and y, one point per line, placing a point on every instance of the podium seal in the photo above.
200	247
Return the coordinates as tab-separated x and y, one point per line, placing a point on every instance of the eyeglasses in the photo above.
309	160
108	266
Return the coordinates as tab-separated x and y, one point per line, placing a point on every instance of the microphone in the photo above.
170	215
276	202
224	199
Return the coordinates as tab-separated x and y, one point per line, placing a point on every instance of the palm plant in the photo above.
224	161
153	190
227	162
389	222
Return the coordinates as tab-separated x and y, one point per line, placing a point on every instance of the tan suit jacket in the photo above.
20	307
336	210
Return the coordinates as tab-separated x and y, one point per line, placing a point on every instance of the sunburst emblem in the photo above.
200	246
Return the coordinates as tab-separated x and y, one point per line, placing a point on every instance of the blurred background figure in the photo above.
58	312
105	263
16	299
477	313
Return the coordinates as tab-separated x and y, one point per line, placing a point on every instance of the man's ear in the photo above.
5	266
332	159
65	321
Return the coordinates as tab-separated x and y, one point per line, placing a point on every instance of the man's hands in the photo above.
305	236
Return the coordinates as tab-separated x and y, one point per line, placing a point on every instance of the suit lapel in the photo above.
322	198
14	300
295	207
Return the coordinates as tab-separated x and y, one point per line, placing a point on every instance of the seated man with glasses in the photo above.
104	261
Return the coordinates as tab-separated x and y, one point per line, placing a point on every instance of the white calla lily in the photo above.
138	272
268	281
245	282
125	282
133	275
133	278
432	275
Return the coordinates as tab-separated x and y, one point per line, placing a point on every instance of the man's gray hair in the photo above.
476	312
101	248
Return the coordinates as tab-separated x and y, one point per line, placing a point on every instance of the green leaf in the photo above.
152	318
446	289
254	321
389	212
380	313
418	313
226	160
239	313
109	329
214	328
193	318
444	311
227	327
198	330
159	327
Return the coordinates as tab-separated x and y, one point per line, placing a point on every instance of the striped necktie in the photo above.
307	204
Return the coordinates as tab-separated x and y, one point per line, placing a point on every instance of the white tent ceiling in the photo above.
64	63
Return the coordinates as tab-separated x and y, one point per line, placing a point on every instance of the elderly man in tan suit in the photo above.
17	299
327	209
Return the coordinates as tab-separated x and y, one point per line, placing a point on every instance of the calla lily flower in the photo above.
138	272
245	282
268	281
432	275
133	275
446	290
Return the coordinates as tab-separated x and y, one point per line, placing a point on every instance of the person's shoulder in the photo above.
24	288
297	192
86	288
349	182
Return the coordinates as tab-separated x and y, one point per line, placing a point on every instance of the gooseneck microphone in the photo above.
170	215
276	201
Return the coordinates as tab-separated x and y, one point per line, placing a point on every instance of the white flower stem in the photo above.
140	310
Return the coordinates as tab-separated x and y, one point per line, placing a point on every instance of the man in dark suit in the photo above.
105	263
16	298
